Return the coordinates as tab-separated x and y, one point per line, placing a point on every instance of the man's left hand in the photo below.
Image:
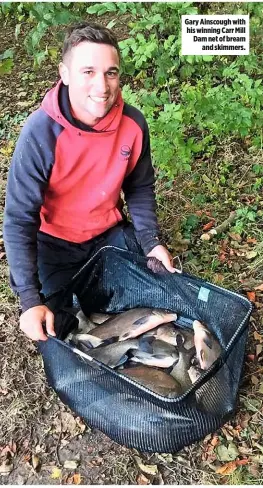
162	254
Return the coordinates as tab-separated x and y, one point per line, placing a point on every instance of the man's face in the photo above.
91	72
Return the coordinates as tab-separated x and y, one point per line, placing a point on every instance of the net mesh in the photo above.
115	280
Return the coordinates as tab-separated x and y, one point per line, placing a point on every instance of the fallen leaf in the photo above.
242	462
254	380
258	337
251	357
260	390
76	479
5	450
227	468
259	348
257	459
229	453
2	255
235	237
6	467
70	464
251	254
251	240
215	441
35	461
227	435
254	470
209	225
142	480
251	296
258	446
2	318
167	458
56	473
146	468
259	287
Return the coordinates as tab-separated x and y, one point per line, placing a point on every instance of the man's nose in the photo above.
101	83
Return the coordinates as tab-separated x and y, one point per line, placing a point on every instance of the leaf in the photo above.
251	240
258	337
76	479
251	254
259	287
227	468
259	348
242	462
142	480
214	441
35	461
146	468
6	467
56	473
209	225
235	237
229	453
70	464
251	296
254	380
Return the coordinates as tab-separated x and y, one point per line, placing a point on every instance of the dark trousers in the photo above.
60	260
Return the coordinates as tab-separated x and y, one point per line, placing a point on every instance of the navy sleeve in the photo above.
29	172
138	188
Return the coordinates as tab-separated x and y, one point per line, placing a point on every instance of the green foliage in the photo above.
190	102
6	61
190	223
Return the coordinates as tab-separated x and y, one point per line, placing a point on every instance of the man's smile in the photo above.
98	99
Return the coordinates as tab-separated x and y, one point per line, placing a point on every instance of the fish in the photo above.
169	332
207	346
100	318
114	354
85	324
180	369
155	353
154	379
153	345
194	373
133	323
88	340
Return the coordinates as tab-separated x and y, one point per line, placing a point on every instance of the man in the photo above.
74	156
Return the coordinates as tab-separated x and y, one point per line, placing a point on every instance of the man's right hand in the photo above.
31	322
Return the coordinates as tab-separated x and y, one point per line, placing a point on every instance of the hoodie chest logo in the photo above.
125	153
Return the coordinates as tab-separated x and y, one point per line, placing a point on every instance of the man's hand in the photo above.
31	322
163	255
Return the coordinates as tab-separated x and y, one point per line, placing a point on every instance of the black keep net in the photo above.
115	280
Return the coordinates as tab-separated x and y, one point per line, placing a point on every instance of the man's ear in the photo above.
64	74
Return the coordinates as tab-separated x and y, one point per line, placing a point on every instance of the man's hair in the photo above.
89	32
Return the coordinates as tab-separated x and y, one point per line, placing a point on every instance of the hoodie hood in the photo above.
110	122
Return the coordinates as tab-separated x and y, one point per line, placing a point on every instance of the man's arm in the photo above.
139	194
138	188
27	180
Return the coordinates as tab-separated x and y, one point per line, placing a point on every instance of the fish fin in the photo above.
121	361
141	320
159	356
125	336
145	344
180	342
208	341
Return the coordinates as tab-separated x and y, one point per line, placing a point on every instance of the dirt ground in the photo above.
41	440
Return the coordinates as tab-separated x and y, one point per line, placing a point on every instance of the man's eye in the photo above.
112	74
88	72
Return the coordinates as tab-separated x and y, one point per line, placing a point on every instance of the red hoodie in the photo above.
81	200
